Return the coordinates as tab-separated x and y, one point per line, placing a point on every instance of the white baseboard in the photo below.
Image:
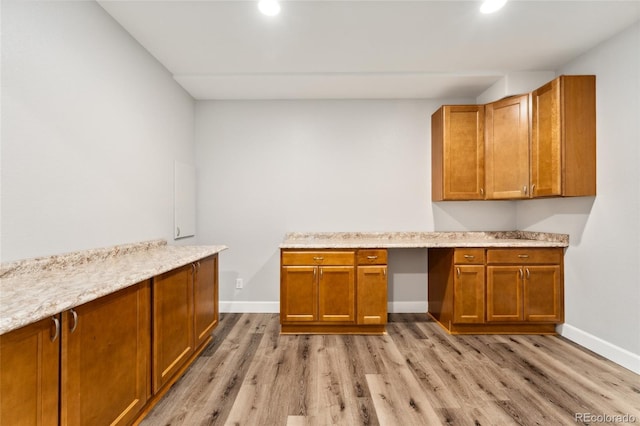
249	307
608	350
407	307
274	307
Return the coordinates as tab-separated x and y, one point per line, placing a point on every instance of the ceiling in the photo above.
363	49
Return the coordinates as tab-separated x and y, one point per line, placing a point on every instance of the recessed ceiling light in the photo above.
269	7
490	6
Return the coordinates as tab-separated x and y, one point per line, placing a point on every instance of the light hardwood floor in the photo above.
415	375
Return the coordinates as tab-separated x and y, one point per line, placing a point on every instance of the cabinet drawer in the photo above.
525	255
473	256
372	257
318	258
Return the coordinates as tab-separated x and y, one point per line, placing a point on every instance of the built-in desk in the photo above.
479	282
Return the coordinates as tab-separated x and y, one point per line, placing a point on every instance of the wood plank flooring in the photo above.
415	375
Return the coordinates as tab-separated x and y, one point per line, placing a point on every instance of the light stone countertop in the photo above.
33	289
354	240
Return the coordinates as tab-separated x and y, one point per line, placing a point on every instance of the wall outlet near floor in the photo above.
239	283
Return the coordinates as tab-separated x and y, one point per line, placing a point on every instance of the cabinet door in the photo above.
173	337
546	170
543	294
105	358
205	299
468	294
336	294
506	161
504	293
29	362
299	294
457	138
372	294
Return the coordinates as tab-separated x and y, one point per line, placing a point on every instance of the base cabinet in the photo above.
29	379
496	290
89	365
102	362
105	359
329	291
185	312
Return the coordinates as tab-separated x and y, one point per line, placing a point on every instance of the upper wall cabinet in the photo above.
506	163
563	137
541	144
457	153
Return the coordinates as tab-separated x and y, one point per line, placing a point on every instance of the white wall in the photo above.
91	126
602	264
271	167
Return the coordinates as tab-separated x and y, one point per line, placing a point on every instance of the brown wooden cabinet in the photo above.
563	137
507	148
468	286
106	362
173	321
501	290
205	299
93	364
89	365
541	144
457	153
525	285
29	374
372	287
318	293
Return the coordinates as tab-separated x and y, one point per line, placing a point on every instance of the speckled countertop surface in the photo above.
33	289
327	240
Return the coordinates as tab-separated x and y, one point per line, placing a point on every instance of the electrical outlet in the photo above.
239	283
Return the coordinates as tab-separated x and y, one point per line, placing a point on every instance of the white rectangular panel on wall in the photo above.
184	200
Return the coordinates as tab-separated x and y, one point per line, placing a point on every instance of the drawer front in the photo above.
525	256
303	258
372	257
471	256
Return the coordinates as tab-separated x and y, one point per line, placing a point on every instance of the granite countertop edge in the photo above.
328	240
34	289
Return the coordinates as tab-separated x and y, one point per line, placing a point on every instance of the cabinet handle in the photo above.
318	258
198	266
74	316
193	268
524	189
533	188
372	257
481	191
458	272
384	271
469	256
528	273
520	273
320	272
56	327
177	231
314	272
523	256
